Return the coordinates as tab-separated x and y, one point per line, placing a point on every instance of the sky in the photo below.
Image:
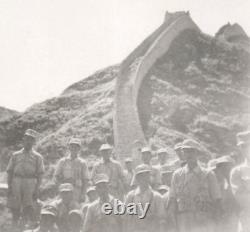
47	45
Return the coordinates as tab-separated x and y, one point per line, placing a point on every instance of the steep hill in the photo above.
200	88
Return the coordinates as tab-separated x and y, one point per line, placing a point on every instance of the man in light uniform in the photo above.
240	180
112	169
144	194
155	175
163	156
73	169
64	205
25	170
195	194
96	220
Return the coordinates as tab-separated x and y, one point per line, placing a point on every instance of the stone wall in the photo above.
128	134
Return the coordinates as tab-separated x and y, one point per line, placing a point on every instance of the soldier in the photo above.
128	173
92	196
144	194
64	205
240	180
112	169
146	156
230	208
180	162
96	220
194	195
25	170
73	169
163	156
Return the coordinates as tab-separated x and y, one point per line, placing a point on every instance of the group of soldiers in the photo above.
188	194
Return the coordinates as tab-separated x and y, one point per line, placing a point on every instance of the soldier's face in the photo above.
74	149
102	188
106	154
162	157
146	157
190	156
28	142
92	196
67	196
128	165
143	178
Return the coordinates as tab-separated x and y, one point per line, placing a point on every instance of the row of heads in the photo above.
243	138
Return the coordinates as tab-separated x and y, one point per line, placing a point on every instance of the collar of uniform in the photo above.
196	170
31	152
138	191
111	198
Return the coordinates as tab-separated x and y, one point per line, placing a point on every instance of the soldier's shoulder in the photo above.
115	162
19	152
82	160
37	154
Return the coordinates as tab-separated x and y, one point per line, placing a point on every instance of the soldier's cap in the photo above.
142	168
177	146
191	144
105	147
90	189
101	178
128	160
225	159
75	141
49	210
243	138
145	150
163	188
75	213
164	151
31	133
66	187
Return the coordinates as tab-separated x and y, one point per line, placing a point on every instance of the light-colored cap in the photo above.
191	144
75	141
66	187
142	168
49	210
163	188
128	160
225	159
101	178
105	147
145	150
32	133
177	146
91	189
243	138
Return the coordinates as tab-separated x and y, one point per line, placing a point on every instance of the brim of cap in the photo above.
29	135
190	148
101	181
66	190
48	213
105	149
241	143
75	143
143	171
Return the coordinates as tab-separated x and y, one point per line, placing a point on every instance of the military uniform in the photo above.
114	171
63	210
74	171
25	169
155	214
194	192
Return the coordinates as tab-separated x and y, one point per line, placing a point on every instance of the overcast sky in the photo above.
46	45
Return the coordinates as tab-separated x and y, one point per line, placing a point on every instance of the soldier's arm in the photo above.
235	179
58	171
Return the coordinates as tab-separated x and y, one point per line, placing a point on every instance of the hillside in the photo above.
200	88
